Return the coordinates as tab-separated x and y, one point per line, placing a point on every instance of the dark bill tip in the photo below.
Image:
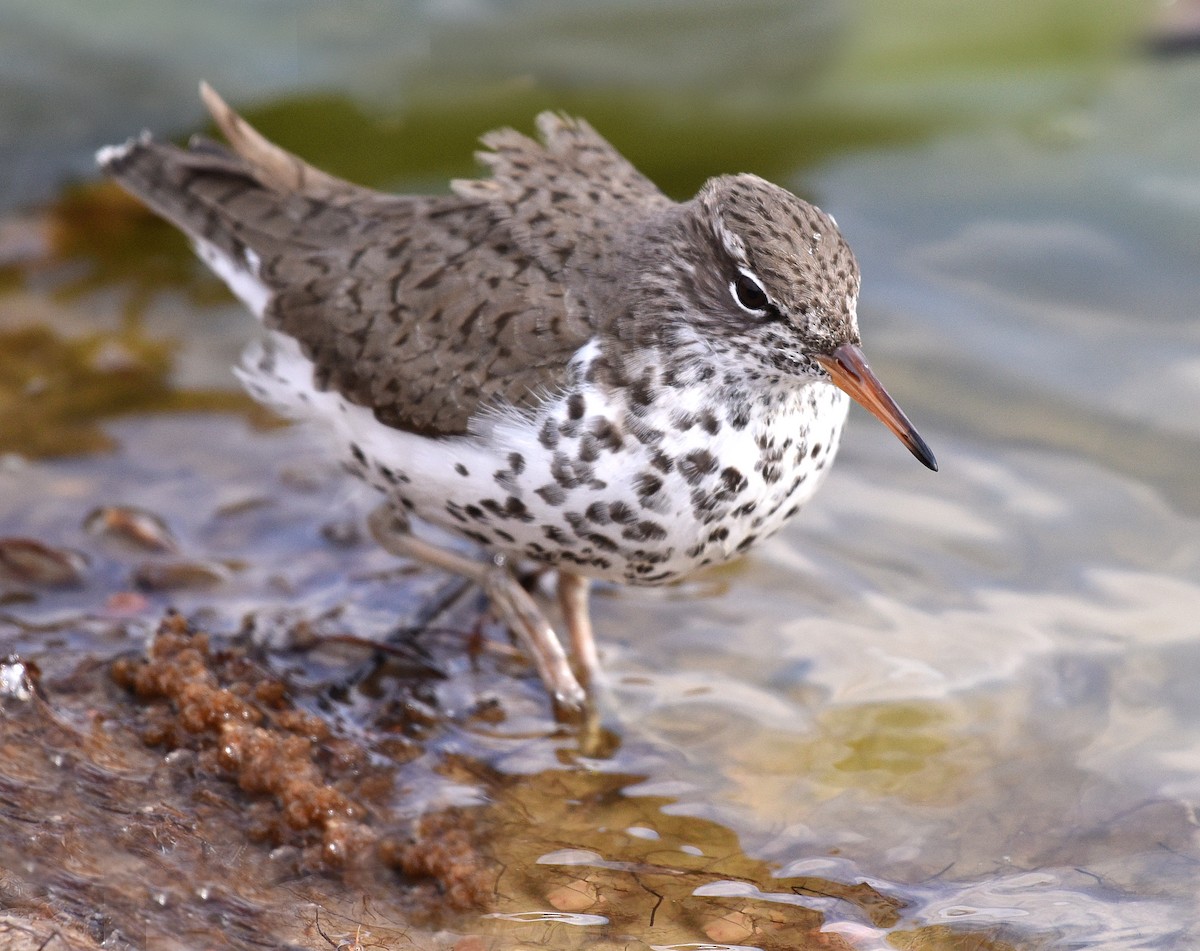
847	368
920	448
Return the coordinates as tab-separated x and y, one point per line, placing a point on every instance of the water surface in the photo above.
952	710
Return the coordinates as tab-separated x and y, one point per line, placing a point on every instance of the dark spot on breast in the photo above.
476	513
515	508
516	462
815	451
644	531
657	557
603	542
709	423
576	406
641	391
357	453
461	469
643	432
575	520
621	513
747	542
548	435
569	472
556	535
598	512
733	481
661	461
589	448
696	465
646	485
607	435
683	421
707	507
771	473
551	494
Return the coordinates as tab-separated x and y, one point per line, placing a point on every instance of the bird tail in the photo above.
242	207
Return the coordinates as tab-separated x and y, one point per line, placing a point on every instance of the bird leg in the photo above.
573	599
510	601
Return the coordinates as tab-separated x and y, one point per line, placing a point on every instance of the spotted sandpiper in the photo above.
557	362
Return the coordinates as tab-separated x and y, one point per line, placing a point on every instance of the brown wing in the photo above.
569	200
425	309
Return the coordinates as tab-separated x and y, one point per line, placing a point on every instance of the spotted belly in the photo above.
638	494
595	489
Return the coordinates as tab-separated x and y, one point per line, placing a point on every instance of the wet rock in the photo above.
133	526
183	575
33	562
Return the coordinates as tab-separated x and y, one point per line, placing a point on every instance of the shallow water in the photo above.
972	691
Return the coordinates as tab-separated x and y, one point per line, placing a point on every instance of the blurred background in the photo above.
951	710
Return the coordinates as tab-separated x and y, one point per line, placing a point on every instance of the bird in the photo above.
555	362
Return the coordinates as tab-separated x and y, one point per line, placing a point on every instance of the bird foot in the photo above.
514	607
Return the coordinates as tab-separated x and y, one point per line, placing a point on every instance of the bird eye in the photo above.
749	294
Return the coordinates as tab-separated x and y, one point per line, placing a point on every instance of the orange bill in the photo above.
848	368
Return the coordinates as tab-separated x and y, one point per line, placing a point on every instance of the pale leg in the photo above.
573	599
510	601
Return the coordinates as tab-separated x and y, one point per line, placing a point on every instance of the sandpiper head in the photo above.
773	276
785	266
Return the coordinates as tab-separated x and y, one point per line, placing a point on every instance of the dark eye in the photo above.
749	294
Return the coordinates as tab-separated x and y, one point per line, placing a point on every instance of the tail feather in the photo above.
274	166
255	203
181	186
